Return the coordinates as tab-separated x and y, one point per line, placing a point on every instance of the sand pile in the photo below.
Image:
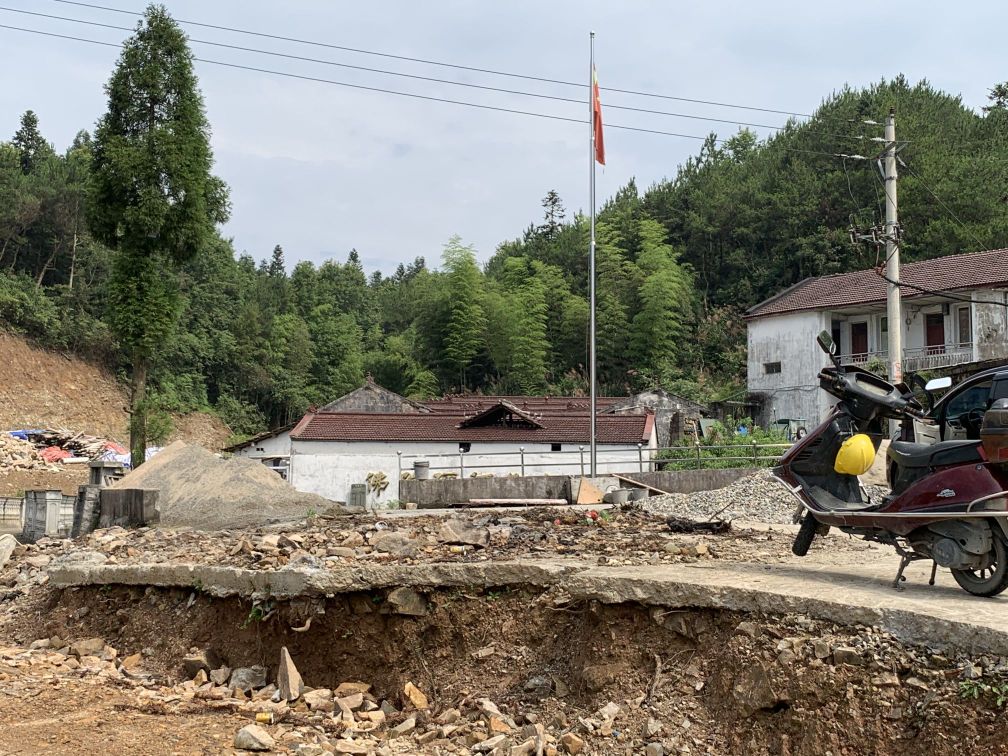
203	491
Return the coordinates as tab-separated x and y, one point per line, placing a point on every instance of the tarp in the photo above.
54	454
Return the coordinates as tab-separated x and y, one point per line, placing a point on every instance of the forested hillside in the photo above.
261	340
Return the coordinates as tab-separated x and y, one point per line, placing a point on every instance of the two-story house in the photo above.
961	328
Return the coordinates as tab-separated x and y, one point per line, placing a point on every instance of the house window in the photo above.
770	368
883	334
464	447
555	447
964	329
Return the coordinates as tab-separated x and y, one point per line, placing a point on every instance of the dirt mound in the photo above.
203	491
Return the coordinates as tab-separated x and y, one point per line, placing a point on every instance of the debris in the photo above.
206	660
460	532
289	683
847	655
753	691
572	743
682	525
7	545
248	678
320	699
406	601
403	728
415	696
253	738
89	647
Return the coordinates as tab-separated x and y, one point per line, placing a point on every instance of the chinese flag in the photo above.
597	118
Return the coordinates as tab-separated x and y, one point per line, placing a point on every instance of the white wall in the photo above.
275	446
328	468
793	393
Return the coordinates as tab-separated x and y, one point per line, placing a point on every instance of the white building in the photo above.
955	320
272	448
330	451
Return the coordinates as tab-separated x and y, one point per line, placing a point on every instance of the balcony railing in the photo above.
914	360
932	357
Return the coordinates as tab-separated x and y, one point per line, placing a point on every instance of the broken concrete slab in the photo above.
854	594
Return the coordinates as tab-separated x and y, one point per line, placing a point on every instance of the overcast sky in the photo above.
320	168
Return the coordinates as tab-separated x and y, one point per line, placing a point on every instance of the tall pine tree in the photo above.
154	199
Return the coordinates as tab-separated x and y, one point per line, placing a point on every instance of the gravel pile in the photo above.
755	497
203	491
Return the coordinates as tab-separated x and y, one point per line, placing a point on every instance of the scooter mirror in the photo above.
937	384
826	343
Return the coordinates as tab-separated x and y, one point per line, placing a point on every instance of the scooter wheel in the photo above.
991	580
806	534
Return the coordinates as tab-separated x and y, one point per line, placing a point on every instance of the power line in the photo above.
418	77
383	90
944	205
451	82
461	67
938	292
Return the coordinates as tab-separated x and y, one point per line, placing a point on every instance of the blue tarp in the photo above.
23	434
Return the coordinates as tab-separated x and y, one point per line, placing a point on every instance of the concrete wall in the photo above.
793	393
990	326
329	468
664	406
439	493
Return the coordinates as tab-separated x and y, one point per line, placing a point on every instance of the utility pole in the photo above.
894	316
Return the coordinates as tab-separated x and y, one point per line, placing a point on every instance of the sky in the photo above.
320	168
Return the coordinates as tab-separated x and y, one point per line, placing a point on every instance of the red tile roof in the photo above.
572	428
976	270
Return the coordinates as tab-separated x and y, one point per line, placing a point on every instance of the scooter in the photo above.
948	501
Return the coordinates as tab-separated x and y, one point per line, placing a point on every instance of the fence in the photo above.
577	461
47	513
11	514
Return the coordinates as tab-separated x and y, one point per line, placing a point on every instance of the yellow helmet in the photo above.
855	456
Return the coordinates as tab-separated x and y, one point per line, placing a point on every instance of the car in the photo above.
959	414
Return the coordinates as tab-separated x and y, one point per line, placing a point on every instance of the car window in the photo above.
975	397
1001	389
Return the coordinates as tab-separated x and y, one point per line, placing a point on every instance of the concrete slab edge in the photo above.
578	581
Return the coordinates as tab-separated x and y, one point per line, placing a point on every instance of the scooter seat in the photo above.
906	454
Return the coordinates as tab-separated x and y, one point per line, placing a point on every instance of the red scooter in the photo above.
948	501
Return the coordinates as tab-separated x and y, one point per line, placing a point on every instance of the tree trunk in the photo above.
138	411
73	260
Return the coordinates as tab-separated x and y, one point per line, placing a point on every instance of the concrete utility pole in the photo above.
894	314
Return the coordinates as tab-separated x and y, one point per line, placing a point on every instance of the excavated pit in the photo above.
726	682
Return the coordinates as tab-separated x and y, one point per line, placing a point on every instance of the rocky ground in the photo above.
607	537
470	670
504	674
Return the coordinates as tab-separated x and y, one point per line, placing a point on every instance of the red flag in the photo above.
597	119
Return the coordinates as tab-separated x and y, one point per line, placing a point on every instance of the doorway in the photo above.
934	333
859	341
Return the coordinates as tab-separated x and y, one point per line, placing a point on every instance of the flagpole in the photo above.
591	255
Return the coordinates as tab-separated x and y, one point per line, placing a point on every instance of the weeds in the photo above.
259	613
975	689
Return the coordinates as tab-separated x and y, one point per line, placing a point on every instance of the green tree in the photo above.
465	332
154	199
30	144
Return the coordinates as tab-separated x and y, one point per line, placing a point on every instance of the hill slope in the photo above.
39	389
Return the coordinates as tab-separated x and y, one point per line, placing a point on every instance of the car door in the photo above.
960	412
